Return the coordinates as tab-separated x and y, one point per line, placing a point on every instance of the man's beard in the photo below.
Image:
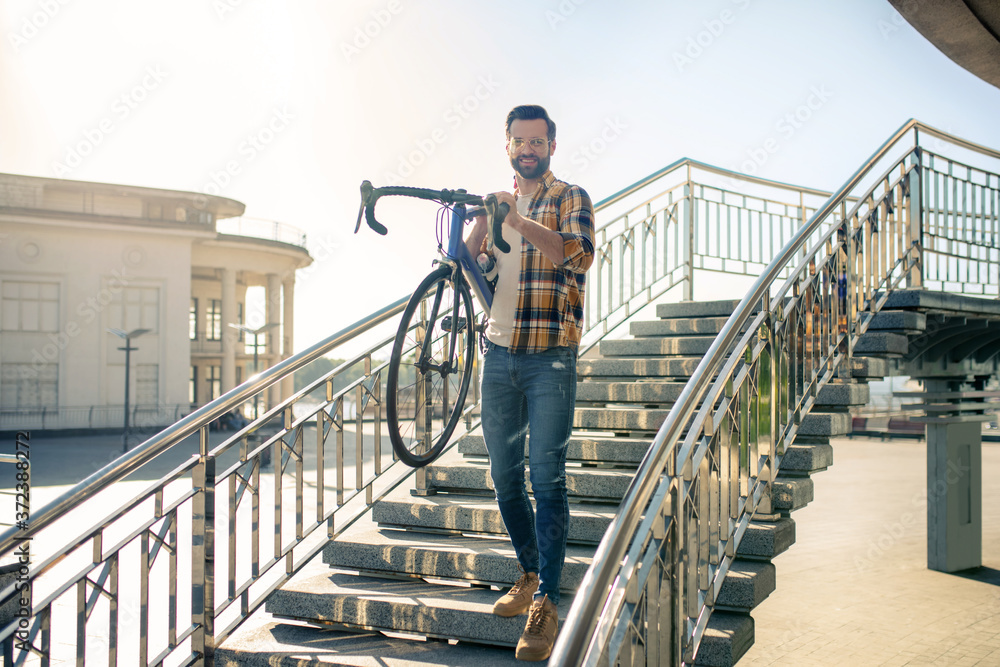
531	172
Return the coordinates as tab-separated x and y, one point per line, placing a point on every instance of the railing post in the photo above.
203	553
915	220
687	239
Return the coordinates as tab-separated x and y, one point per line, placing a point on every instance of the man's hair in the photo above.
531	112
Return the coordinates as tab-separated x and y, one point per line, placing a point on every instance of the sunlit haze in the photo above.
288	106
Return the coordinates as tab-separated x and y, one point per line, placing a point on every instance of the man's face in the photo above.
529	161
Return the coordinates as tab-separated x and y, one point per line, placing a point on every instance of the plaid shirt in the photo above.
550	298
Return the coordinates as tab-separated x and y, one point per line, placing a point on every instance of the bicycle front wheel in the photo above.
430	367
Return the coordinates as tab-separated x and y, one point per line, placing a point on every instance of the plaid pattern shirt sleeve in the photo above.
550	298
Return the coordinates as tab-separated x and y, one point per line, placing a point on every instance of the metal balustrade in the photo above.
166	571
651	590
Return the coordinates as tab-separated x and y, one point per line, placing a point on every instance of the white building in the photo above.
78	259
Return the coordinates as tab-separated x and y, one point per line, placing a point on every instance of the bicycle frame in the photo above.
459	256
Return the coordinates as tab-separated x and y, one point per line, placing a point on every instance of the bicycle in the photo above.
434	350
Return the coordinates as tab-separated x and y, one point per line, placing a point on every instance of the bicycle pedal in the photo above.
446	324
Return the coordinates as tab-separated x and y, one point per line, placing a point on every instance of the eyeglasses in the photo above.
517	145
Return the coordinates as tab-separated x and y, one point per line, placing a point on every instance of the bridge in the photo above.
702	418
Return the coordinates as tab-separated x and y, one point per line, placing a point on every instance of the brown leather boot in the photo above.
540	632
517	599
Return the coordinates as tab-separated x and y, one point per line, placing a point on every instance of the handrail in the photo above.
575	638
123	466
204	475
686	161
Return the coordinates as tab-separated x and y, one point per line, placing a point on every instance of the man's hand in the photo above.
546	240
508	198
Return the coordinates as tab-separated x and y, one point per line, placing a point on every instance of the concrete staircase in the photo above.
429	567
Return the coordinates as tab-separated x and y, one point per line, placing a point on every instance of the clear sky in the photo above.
288	105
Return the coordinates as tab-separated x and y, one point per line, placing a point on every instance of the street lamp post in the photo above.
135	333
255	333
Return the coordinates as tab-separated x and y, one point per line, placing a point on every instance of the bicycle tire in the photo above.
440	371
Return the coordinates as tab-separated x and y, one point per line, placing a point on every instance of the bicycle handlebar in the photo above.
495	211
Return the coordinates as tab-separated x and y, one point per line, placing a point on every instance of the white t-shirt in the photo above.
500	328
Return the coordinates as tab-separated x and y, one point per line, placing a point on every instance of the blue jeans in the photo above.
537	393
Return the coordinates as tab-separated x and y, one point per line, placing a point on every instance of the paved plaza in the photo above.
853	590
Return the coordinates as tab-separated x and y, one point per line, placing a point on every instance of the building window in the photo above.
136	308
214	382
147	384
30	306
239	320
32	385
193	386
214	323
193	320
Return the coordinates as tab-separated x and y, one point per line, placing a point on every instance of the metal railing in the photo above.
268	230
168	574
657	572
686	217
143	416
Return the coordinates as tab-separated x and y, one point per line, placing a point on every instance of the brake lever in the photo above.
367	210
498	212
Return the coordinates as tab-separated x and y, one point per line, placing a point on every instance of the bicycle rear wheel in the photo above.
430	367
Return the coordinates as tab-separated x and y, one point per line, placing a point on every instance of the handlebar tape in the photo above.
497	215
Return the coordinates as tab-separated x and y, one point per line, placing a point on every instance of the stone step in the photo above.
422	609
400	606
631	368
283	643
747	584
591	483
492	561
763	540
899	321
803	459
700	326
788	493
825	424
722	308
842	394
728	636
467	514
877	342
649	347
619	419
791	493
869	367
646	392
633	419
607	450
482	560
681	368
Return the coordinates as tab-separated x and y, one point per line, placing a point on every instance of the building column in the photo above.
230	336
287	331
273	310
